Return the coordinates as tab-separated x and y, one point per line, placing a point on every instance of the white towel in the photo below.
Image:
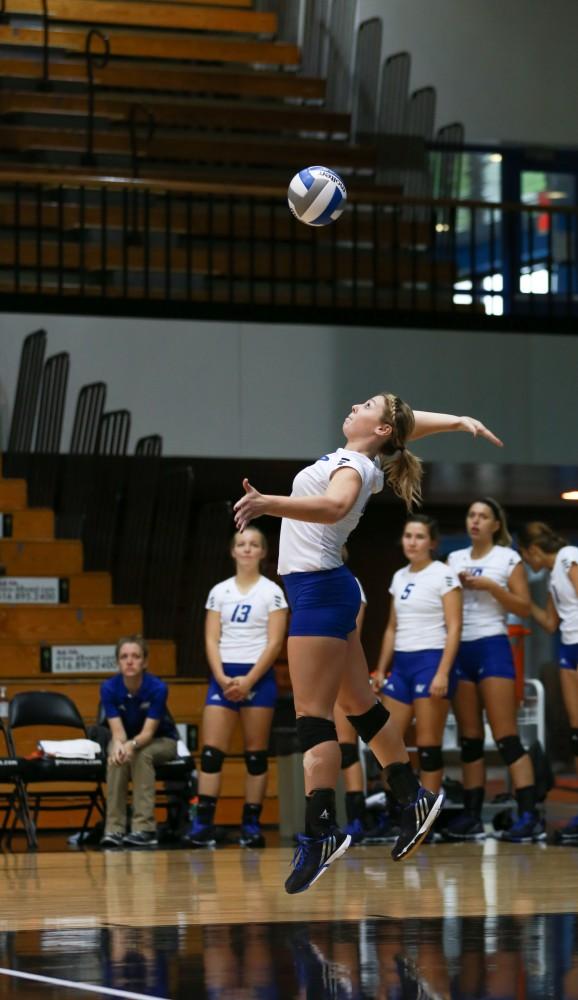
72	749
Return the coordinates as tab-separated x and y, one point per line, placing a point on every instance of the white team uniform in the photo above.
483	615
244	617
305	547
564	595
419	610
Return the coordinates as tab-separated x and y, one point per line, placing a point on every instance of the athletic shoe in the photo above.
141	838
464	826
200	835
416	820
112	840
356	831
567	834
251	835
527	829
385	831
313	857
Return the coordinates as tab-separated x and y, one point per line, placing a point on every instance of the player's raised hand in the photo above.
478	429
249	507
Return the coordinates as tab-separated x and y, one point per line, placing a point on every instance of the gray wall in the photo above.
234	389
506	68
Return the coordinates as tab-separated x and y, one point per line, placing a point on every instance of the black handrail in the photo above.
99	61
149	122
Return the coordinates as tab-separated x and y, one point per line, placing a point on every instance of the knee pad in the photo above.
430	758
511	749
211	759
472	749
574	741
349	755
256	761
368	725
312	731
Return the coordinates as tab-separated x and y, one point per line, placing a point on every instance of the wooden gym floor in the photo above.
462	922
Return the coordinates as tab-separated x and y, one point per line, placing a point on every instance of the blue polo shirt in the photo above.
149	702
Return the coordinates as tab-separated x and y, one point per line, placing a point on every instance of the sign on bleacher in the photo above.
78	659
33	590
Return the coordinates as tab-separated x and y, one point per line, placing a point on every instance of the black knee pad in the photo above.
368	725
511	749
211	759
256	761
349	755
312	731
430	758
472	749
574	741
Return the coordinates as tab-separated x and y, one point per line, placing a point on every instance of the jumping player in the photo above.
422	639
542	548
495	584
326	660
244	632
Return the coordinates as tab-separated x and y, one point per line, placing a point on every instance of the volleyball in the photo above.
317	196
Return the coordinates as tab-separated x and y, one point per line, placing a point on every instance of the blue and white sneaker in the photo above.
200	835
313	857
529	828
416	820
567	834
252	835
356	831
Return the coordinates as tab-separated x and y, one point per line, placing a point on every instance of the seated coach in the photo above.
142	735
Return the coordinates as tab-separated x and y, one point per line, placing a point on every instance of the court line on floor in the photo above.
84	987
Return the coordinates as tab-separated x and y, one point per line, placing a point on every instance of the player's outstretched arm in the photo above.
440	423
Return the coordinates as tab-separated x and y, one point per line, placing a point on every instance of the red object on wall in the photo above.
517	634
543	220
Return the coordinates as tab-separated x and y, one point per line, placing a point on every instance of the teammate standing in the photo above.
542	548
422	639
326	660
244	632
495	584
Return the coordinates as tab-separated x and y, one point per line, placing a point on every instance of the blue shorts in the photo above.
411	676
323	603
568	656
487	657
263	695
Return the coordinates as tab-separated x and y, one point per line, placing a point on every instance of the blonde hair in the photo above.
502	536
542	535
251	527
403	470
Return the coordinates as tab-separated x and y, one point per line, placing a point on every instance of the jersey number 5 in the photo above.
241	613
407	591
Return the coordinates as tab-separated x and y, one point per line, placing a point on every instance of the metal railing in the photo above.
218	248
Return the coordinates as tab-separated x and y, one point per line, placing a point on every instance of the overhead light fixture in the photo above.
570	495
442	227
555	195
495	157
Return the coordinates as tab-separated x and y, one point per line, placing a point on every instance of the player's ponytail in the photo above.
403	470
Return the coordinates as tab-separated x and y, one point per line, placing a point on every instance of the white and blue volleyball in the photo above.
317	196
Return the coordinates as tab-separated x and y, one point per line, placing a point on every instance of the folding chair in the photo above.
13	802
49	709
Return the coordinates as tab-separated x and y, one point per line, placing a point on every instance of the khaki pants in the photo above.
141	771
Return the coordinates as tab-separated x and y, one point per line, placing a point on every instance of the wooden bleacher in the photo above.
89	616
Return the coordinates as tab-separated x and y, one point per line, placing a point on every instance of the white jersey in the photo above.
419	610
564	595
305	547
244	617
483	614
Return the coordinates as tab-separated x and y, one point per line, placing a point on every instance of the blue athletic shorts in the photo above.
412	673
323	603
263	695
487	657
568	656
